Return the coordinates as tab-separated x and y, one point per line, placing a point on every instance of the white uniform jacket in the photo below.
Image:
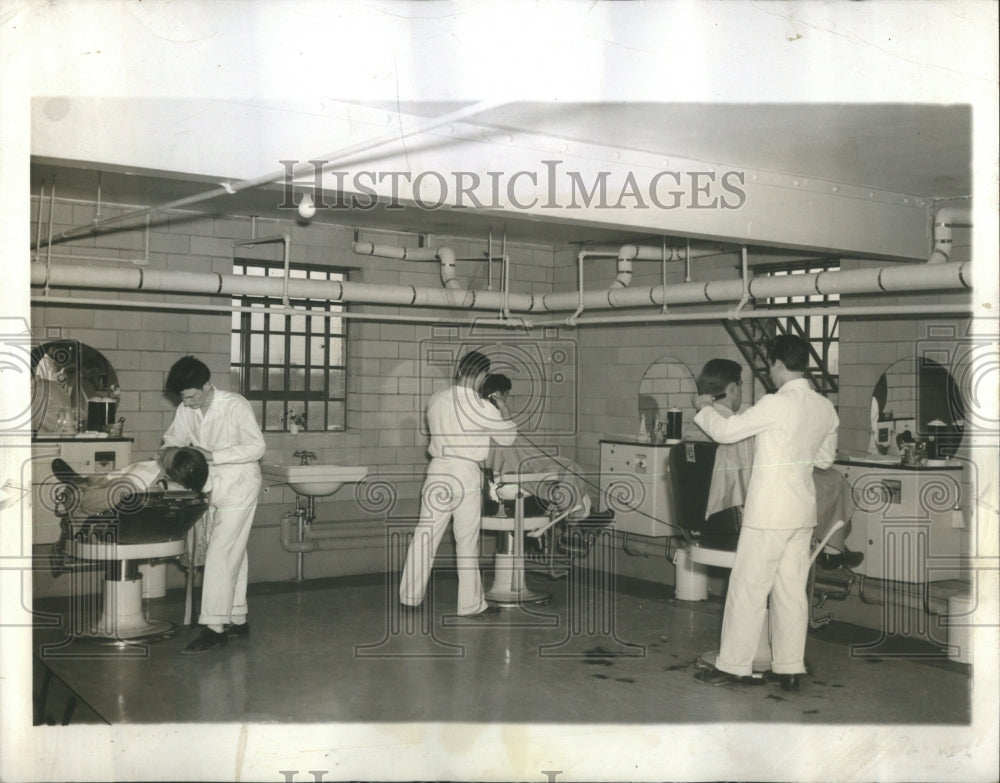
228	429
795	430
462	425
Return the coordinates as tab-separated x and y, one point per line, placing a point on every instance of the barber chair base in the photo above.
122	622
761	659
509	588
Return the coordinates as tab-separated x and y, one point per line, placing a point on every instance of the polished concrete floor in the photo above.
333	650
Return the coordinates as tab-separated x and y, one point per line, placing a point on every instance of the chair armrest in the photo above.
554	521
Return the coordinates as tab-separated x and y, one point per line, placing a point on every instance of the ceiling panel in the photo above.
920	150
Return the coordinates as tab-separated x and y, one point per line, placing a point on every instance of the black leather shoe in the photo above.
241	631
789	682
717	677
206	641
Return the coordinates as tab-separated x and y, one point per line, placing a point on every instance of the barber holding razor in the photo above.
795	430
462	424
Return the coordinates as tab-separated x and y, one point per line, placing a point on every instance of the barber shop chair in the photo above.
144	526
514	511
712	540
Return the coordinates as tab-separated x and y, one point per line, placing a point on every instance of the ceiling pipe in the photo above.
650	252
874	311
899	278
623	279
216	309
445	255
946	219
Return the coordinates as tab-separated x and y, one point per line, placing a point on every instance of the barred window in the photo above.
291	364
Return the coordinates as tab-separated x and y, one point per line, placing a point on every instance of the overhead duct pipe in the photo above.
649	252
443	254
945	220
899	279
623	279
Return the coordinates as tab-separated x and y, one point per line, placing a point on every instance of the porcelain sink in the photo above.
313	480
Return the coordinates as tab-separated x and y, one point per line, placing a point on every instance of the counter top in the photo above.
81	438
627	441
893	463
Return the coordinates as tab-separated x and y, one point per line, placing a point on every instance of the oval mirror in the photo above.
667	383
911	402
66	375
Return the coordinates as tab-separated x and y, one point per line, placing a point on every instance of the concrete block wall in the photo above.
390	378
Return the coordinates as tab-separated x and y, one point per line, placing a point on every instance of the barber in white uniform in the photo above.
796	430
462	424
222	426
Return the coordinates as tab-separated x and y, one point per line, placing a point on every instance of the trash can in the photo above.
690	579
154	579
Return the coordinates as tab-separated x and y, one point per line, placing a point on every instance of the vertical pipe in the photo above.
664	273
38	218
579	308
489	262
506	275
286	240
48	254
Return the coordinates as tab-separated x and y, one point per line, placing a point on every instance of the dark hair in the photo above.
471	365
188	468
717	374
187	373
496	382
791	349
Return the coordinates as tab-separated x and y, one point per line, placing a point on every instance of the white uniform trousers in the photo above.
234	500
452	490
775	563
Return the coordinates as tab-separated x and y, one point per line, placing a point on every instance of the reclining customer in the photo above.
563	488
174	468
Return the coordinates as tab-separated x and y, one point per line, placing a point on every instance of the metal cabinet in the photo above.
635	483
88	456
909	522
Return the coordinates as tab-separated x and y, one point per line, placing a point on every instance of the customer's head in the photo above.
472	369
186	466
495	385
495	388
788	357
188	379
722	376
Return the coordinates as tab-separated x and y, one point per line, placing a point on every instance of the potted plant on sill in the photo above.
295	422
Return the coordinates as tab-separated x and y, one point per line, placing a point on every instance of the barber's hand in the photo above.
703	401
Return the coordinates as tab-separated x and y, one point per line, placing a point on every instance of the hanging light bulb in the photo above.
306	207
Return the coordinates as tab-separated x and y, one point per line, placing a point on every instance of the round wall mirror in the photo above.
667	383
66	376
916	400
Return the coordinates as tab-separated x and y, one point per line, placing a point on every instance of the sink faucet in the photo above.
305	457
